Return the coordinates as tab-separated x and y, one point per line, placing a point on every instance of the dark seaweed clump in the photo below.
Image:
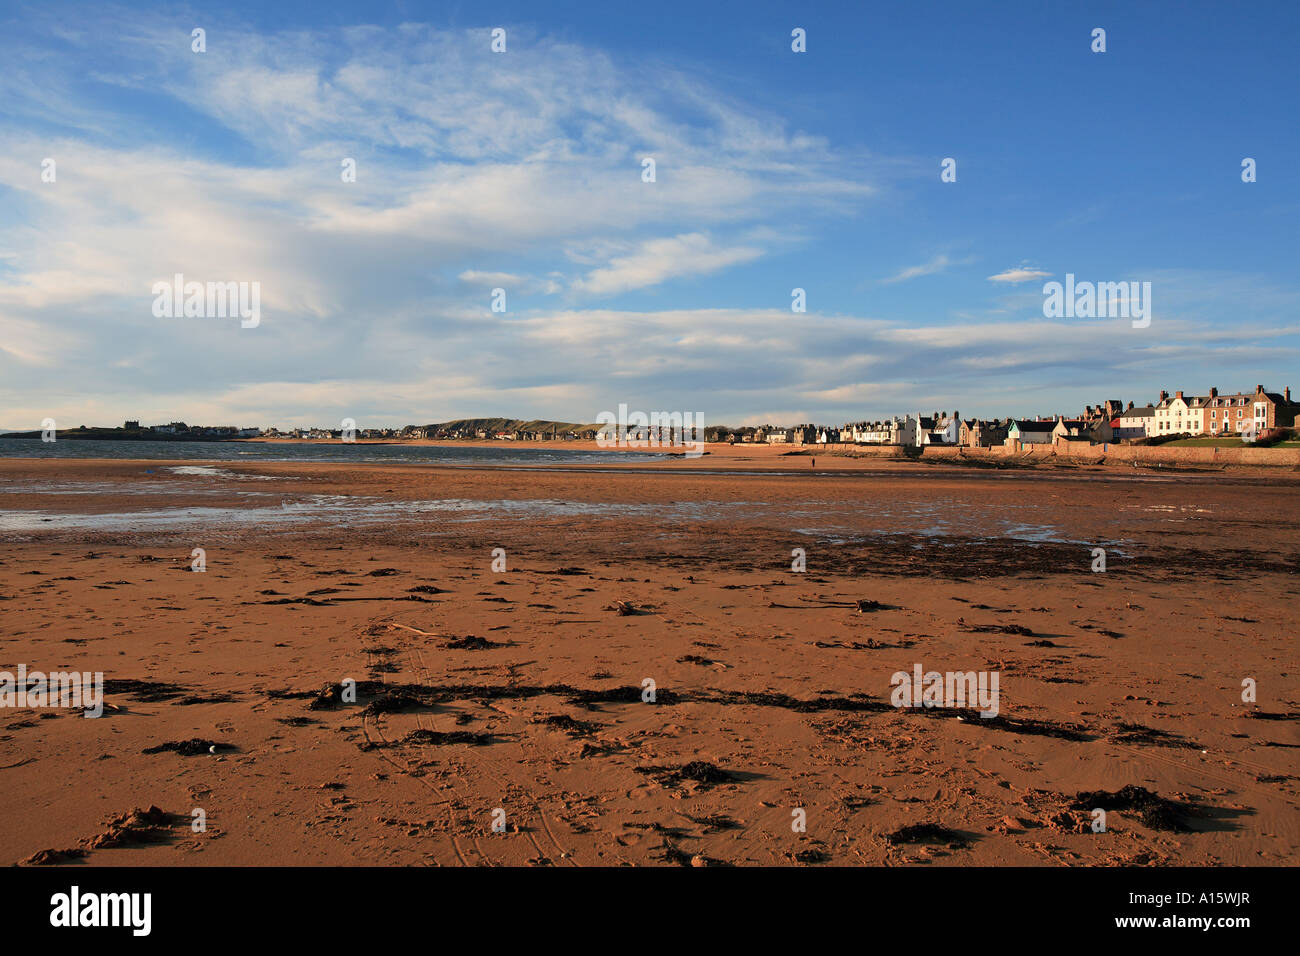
925	833
1153	810
700	771
189	748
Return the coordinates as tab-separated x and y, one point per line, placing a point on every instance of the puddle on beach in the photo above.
212	471
835	521
825	520
342	510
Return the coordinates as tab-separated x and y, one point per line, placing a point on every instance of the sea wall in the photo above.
1079	451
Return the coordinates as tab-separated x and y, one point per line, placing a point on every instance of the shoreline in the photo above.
749	456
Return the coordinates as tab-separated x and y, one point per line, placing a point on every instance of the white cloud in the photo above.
474	171
657	260
467	164
1021	274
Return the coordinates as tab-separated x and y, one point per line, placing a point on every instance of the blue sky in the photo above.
522	170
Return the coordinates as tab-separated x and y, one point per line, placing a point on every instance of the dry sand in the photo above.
522	690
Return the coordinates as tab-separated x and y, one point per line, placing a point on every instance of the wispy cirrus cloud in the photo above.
1018	275
468	165
939	263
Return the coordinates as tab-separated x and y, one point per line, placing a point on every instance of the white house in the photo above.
939	429
1175	416
909	431
871	433
1135	422
1030	432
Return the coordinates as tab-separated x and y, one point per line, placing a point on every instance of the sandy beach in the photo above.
518	696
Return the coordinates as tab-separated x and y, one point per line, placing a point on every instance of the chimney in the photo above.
1130	405
1286	394
1163	395
1258	389
1179	394
1214	393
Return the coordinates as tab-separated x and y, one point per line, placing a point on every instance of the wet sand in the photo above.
521	690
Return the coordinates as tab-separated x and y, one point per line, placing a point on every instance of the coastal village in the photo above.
1257	416
1249	416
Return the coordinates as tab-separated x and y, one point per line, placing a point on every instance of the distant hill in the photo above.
494	425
